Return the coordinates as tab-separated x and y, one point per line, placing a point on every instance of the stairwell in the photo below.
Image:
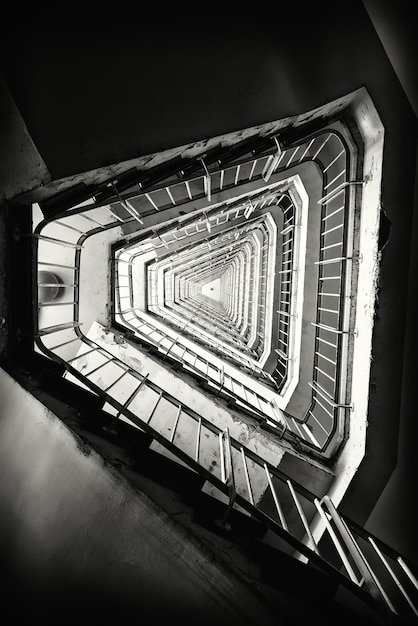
275	583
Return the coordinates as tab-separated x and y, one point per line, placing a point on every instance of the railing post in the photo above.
369	576
227	475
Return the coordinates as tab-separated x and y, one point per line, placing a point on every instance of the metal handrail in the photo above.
300	427
317	414
355	569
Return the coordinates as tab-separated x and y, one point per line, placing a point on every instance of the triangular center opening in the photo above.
212	289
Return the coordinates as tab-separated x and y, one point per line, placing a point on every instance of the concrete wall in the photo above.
77	541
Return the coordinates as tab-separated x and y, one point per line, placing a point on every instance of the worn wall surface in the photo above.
76	539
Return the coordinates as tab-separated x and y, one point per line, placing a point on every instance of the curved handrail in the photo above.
324	405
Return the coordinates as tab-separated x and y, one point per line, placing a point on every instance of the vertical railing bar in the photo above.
125	405
310	435
78	356
44	304
64	343
156	404
131	210
115	381
148	197
322	145
318	423
334	159
336	543
307	148
336	260
276	501
329	294
69	267
330	413
252	168
302	516
186	182
132	396
90	219
170	195
407	571
360	560
229	478
324	373
333	345
49	330
293	154
327	217
76	230
393	575
176	423
113	214
247	476
325	357
222	457
237	174
331	230
334	179
87	374
329	197
333	245
199	430
61	242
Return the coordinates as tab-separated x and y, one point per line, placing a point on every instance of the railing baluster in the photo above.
56	328
76	230
113	214
148	197
170	195
91	220
393	575
173	433
199	430
302	517
69	267
276	500
60	345
155	406
229	478
44	304
247	476
125	405
336	543
106	389
95	369
408	572
60	242
359	559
